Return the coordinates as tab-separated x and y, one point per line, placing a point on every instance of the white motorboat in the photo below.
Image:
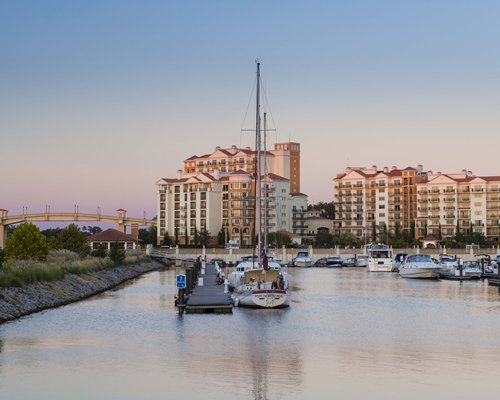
472	270
448	266
361	260
302	259
419	266
379	258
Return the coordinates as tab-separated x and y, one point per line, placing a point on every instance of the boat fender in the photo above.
236	302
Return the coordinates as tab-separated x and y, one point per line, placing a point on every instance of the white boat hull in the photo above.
263	298
303	263
422	273
380	266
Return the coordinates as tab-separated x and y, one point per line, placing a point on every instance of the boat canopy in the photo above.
259	275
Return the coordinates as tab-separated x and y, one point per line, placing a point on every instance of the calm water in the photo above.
349	334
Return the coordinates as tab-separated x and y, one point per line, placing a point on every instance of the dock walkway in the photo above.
209	298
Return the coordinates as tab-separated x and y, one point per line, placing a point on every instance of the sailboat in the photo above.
261	283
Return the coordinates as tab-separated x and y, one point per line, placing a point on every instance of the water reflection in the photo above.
271	361
348	334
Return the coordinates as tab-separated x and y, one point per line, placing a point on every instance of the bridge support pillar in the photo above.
2	236
3	228
134	231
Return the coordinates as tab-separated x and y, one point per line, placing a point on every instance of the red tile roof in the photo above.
111	235
275	177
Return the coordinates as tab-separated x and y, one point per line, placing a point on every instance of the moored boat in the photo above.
419	266
302	259
262	289
263	283
379	258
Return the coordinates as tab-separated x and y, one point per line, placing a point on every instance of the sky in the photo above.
100	99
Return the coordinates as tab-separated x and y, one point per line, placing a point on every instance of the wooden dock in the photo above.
209	298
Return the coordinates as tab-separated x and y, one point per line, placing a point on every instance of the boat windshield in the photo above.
380	253
419	258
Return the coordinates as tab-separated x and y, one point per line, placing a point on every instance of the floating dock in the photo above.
494	281
209	297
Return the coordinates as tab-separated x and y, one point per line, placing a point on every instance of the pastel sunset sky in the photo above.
100	99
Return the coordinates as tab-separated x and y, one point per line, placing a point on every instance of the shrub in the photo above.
101	251
71	238
117	253
26	243
62	256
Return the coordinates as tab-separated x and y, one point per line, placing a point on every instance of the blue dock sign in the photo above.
181	281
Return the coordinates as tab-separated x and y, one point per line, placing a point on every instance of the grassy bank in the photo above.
17	273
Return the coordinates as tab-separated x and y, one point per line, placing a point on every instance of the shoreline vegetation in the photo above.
45	270
80	280
18	273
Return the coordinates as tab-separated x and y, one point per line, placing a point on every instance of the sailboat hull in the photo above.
264	298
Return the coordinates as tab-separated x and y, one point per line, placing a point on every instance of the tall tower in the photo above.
287	163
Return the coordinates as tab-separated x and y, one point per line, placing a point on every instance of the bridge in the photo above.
120	219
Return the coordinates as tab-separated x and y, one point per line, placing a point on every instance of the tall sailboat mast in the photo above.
258	208
266	191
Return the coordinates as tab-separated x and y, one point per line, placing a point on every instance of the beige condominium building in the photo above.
459	201
216	191
370	201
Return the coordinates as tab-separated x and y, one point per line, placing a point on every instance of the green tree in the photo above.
374	232
71	238
328	209
384	236
176	233
101	251
117	253
221	237
148	236
196	237
412	230
279	239
440	232
325	239
2	253
397	230
347	239
204	236
166	241
186	237
26	243
91	230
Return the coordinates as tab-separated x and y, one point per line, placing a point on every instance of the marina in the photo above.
342	324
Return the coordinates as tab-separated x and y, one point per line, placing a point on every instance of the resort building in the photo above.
217	192
371	203
461	202
317	222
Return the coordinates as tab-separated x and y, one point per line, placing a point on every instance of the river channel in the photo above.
348	334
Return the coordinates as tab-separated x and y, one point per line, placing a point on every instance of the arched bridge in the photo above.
120	219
